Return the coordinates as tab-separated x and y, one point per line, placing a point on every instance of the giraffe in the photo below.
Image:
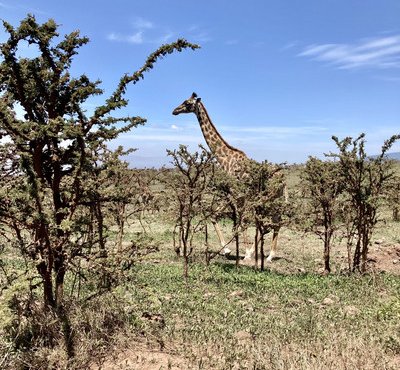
232	160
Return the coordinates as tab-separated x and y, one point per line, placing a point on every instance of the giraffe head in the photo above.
188	106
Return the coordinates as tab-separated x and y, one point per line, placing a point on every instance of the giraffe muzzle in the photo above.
176	111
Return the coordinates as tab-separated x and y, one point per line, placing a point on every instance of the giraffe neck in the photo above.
228	156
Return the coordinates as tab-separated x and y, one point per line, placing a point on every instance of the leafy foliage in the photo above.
54	187
365	180
322	186
188	188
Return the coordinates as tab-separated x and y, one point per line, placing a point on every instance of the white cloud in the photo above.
147	32
174	127
144	32
136	38
383	52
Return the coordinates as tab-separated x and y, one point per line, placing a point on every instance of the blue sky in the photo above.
278	78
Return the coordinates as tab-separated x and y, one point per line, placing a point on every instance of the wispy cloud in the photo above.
135	38
198	34
380	52
144	31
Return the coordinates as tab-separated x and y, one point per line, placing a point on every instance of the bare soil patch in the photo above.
141	357
385	258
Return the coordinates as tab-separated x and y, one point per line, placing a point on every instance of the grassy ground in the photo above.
288	317
223	317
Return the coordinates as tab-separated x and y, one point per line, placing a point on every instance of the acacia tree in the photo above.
265	190
188	187
322	185
230	202
365	180
52	157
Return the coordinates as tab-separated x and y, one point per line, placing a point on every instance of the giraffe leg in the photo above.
225	249
274	244
249	249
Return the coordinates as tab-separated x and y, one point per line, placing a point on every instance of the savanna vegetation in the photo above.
107	267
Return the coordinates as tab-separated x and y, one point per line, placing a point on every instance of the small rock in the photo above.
351	310
301	269
310	300
395	262
208	295
237	293
328	301
379	241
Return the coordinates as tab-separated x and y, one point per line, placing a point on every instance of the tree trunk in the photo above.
327	244
262	255
357	256
59	267
185	237
349	255
237	249
45	273
256	249
67	331
364	252
327	266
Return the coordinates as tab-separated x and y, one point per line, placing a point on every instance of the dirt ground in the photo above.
385	258
142	358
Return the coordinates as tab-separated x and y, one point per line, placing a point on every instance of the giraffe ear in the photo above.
198	100
194	95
